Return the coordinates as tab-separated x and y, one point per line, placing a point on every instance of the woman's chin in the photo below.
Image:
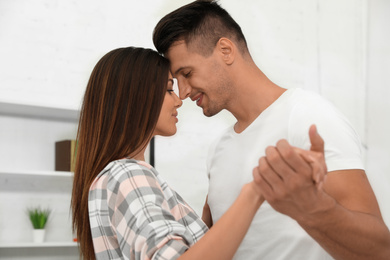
167	133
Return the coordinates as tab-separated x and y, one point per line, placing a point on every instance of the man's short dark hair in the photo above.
200	24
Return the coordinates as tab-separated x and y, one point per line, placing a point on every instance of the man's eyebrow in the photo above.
178	70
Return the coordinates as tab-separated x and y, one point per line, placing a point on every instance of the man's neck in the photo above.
252	101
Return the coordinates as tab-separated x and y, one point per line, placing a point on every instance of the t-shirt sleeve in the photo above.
342	143
145	227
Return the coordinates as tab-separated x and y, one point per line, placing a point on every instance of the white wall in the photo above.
49	48
377	124
337	48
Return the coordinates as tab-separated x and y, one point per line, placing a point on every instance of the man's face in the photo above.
203	79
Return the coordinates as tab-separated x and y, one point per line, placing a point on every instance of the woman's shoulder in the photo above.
122	169
125	172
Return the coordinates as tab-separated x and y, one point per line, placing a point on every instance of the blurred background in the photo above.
48	48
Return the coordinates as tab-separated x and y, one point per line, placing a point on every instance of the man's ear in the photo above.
227	49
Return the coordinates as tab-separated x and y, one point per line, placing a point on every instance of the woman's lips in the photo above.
175	116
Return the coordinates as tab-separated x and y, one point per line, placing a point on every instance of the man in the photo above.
302	220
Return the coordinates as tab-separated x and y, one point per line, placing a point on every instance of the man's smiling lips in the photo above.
198	98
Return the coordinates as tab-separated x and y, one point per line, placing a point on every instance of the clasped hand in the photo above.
291	179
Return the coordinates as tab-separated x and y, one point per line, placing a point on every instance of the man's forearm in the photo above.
346	234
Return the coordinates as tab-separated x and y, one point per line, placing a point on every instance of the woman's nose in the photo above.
178	102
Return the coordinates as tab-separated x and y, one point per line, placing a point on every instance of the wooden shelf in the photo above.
31	244
36	111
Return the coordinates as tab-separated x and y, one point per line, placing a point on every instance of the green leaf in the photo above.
38	217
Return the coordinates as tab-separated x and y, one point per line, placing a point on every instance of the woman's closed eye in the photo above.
170	86
173	86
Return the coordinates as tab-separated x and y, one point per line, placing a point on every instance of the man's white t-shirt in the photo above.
232	158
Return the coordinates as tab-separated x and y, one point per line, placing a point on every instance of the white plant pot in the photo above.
38	235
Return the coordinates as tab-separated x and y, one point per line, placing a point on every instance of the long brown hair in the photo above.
120	110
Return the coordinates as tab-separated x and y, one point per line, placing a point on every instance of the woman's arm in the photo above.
146	226
225	236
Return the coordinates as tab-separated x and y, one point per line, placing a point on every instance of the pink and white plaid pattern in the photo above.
134	214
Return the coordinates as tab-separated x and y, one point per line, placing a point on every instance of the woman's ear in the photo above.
227	49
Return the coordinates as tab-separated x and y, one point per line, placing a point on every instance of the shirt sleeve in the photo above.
343	148
141	217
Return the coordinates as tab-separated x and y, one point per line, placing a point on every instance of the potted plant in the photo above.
38	218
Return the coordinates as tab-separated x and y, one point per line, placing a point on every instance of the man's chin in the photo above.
209	113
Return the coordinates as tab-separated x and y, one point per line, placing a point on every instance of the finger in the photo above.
317	170
279	166
306	155
317	143
256	175
318	166
293	159
268	174
264	186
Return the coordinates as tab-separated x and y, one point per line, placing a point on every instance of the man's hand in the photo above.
315	157
291	178
341	214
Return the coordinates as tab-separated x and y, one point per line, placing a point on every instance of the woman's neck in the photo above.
140	154
139	157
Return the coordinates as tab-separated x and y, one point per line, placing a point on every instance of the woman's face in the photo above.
166	124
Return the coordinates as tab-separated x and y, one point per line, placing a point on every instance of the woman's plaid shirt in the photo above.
134	214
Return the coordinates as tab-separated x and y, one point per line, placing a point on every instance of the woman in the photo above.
122	207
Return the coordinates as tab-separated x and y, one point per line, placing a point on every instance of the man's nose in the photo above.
184	89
